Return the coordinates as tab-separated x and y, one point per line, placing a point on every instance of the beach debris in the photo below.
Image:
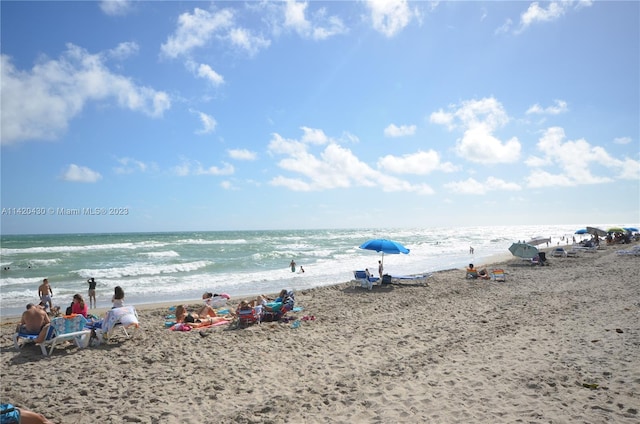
619	330
592	386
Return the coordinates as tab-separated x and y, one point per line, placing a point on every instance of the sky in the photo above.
129	116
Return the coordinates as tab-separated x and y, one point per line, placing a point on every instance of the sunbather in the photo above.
198	320
35	320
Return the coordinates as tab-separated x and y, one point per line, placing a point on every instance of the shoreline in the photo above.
100	311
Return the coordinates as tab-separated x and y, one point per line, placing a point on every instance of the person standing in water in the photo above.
293	265
92	292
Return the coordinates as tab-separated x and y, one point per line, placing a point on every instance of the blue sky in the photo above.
160	116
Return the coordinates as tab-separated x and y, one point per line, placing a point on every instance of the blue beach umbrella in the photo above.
582	231
384	246
632	229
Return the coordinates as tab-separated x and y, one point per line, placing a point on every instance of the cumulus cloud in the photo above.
333	167
420	163
209	123
478	120
576	162
242	154
472	186
389	17
401	131
622	140
318	27
39	103
196	30
554	10
80	174
115	7
205	71
193	167
560	106
130	165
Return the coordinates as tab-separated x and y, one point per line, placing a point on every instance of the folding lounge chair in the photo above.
361	279
62	329
276	315
411	277
125	318
249	316
498	275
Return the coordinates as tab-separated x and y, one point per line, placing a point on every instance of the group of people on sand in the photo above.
78	305
474	273
206	315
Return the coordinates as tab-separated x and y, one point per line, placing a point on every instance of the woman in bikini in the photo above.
197	320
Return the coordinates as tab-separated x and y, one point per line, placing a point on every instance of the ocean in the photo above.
180	266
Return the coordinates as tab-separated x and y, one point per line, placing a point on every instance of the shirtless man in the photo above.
45	292
34	321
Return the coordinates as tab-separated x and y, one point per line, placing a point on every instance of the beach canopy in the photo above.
595	231
538	240
384	246
523	250
581	231
616	230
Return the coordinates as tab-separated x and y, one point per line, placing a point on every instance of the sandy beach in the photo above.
552	344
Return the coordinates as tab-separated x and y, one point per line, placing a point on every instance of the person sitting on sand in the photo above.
35	320
472	272
483	274
196	320
78	306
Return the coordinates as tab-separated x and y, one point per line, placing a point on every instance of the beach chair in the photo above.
277	312
471	275
498	275
125	318
361	279
559	252
411	277
252	315
61	330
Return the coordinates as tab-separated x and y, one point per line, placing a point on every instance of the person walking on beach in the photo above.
45	293
380	269
92	292
293	265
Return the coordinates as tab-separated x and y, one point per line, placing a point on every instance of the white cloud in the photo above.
129	165
622	140
420	163
195	30
575	161
38	104
80	174
209	123
479	119
115	7
391	16
554	10
205	71
560	106
472	186
243	38
334	167
124	50
242	154
401	131
194	167
314	136
320	26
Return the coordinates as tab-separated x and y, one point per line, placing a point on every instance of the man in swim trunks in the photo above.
34	321
45	292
